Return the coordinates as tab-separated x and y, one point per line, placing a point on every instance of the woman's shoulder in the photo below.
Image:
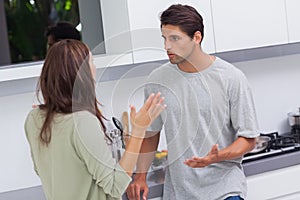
34	119
84	115
85	119
35	113
85	122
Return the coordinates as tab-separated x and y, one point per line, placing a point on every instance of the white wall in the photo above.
275	84
274	81
15	168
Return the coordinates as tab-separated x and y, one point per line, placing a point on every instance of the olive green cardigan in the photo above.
77	164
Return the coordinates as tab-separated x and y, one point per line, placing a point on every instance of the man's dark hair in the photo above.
63	30
184	16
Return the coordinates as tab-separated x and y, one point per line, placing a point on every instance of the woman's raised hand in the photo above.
147	114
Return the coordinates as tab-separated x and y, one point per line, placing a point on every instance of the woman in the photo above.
66	132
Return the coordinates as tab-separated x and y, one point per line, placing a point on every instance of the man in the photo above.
62	30
210	122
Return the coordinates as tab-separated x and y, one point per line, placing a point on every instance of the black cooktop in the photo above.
279	144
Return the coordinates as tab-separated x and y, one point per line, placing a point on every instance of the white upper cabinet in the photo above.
144	21
132	27
293	16
242	24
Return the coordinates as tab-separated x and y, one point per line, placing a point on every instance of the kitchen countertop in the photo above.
271	163
156	180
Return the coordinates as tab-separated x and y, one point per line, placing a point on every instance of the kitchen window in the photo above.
23	24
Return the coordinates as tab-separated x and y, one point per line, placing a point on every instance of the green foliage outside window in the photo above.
27	21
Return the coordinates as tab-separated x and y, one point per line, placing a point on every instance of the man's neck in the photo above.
197	62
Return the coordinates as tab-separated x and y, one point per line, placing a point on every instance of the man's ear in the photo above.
197	37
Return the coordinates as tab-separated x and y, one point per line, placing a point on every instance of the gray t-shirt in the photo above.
214	106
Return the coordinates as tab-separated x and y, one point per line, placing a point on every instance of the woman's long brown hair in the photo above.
67	84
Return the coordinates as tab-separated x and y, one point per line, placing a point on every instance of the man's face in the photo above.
50	41
178	44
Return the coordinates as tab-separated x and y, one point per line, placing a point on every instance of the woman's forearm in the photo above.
131	154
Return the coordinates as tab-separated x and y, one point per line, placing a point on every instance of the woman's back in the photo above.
65	133
77	160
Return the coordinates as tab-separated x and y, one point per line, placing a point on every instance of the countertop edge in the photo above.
250	169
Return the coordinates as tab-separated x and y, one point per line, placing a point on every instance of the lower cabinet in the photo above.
295	196
281	184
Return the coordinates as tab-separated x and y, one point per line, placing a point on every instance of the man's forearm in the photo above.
237	149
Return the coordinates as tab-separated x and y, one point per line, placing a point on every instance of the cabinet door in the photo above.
293	16
144	21
295	196
147	43
248	23
278	184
